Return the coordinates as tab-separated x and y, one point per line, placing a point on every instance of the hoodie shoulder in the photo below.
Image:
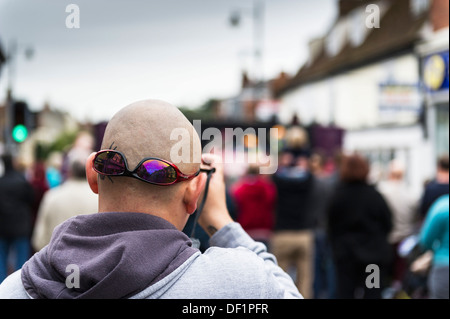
225	273
12	287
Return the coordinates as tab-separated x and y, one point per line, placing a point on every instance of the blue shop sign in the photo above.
435	72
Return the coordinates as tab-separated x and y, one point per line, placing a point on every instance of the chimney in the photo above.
246	82
315	48
439	14
279	83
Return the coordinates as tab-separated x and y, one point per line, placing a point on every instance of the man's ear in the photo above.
92	175
192	193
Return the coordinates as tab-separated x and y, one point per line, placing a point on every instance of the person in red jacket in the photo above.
255	198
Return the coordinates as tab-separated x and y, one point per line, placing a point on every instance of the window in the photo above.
442	129
419	7
336	39
358	29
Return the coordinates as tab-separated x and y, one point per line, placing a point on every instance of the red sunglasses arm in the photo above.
187	177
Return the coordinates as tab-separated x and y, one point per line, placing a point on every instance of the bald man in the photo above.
134	247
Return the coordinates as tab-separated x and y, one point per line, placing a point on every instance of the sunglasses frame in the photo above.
133	173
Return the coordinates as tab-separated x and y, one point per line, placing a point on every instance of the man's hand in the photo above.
215	213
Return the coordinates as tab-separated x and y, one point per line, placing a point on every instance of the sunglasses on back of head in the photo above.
150	170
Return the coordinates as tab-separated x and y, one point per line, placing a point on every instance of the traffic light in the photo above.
20	133
20	118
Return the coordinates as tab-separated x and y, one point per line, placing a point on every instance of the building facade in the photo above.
433	53
366	76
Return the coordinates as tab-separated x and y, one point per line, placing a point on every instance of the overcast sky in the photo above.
181	51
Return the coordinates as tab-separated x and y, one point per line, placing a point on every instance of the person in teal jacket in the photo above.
435	236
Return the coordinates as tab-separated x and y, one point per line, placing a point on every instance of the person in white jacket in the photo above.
404	207
72	198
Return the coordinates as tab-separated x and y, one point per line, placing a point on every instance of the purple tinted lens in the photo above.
157	172
109	163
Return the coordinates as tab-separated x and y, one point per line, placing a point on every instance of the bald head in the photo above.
141	130
396	170
150	129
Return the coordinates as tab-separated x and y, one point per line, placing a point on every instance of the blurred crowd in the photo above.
325	221
329	223
34	201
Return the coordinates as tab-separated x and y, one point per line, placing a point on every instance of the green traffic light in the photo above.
19	133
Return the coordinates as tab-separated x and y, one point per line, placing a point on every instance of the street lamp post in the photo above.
257	13
258	38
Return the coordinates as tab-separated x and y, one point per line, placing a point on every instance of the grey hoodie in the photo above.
134	255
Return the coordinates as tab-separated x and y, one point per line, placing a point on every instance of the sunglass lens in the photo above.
109	163
157	172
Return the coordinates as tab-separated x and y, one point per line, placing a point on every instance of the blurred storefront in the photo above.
368	81
433	54
435	76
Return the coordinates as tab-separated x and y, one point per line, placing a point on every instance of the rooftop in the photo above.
350	43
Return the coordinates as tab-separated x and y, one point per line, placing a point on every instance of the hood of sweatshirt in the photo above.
114	255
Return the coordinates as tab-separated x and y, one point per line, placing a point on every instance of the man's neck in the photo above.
156	211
